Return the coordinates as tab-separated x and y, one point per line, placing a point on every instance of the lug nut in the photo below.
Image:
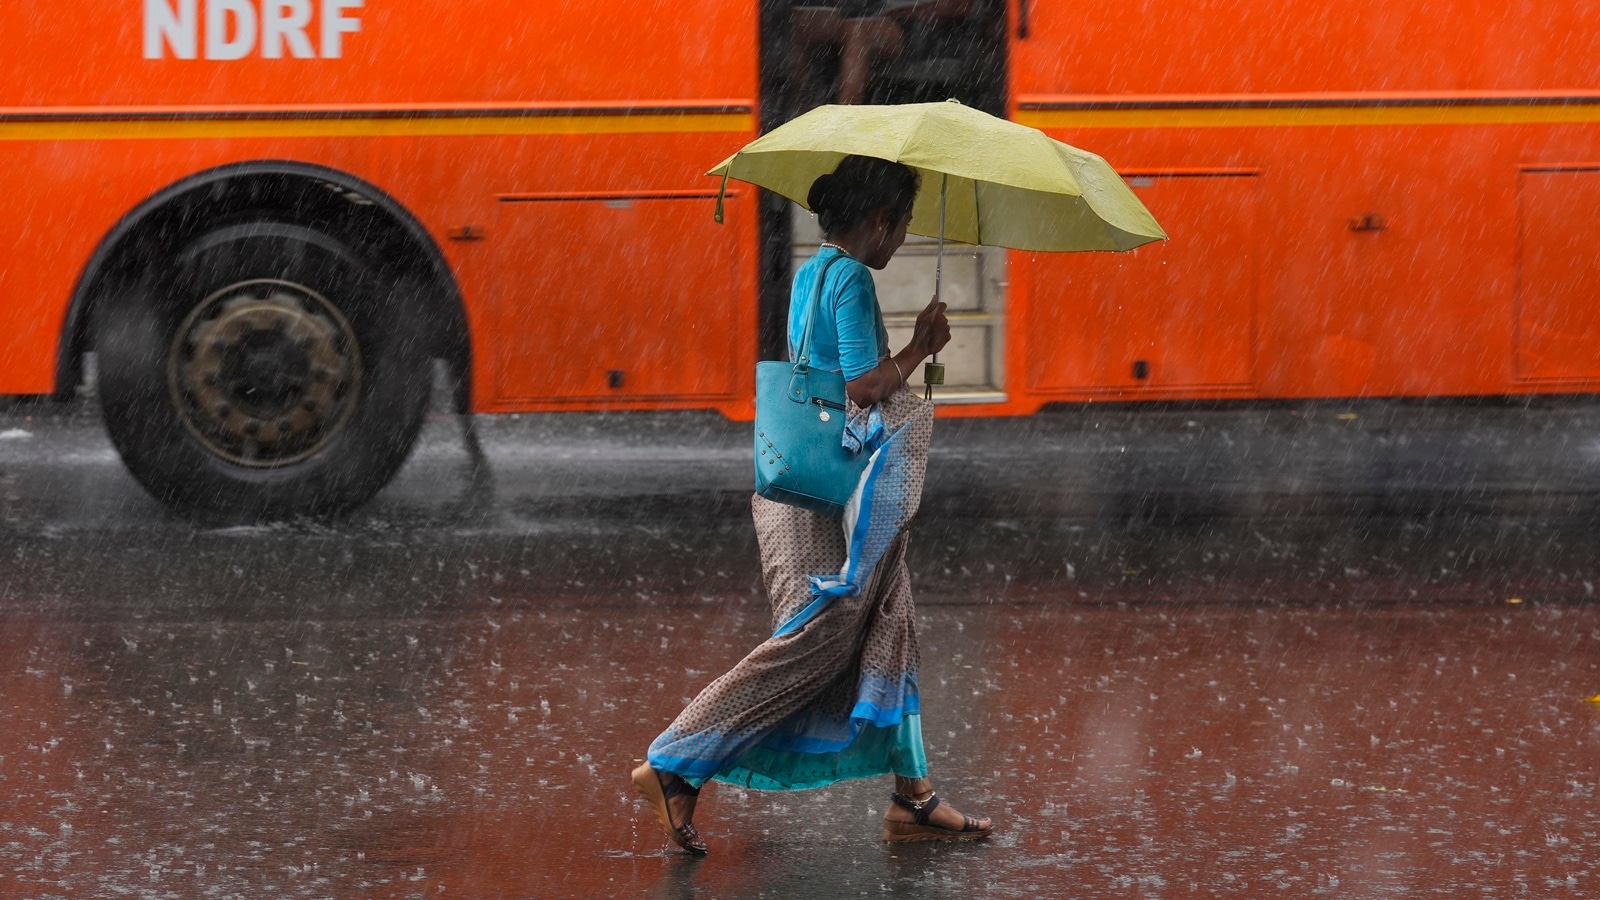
252	427
222	410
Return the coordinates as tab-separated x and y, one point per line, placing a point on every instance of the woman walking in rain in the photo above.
833	693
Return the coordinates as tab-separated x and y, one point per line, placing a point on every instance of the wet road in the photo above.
1174	652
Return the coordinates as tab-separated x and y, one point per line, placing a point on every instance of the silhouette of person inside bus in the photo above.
833	693
923	43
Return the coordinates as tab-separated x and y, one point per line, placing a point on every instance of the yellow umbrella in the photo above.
1000	184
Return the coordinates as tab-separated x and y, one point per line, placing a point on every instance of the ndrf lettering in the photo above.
236	28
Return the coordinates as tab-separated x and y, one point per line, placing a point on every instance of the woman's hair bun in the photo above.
860	184
823	193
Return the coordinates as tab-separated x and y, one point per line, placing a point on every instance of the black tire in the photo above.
267	370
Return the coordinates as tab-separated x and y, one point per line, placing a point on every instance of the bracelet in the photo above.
897	371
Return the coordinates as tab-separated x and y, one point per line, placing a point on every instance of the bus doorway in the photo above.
890	52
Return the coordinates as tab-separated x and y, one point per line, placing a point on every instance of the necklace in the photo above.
826	244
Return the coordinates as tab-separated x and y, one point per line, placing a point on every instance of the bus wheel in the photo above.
267	370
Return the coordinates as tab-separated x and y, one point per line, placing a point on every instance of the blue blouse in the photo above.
848	335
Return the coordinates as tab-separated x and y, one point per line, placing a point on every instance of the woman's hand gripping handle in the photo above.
929	336
932	331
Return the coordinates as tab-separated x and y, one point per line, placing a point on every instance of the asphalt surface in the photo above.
1307	649
1314	502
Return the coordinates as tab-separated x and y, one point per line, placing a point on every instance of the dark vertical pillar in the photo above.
776	231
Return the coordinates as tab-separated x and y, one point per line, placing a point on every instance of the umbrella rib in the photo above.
905	142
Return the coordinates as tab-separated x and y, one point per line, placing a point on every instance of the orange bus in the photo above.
266	219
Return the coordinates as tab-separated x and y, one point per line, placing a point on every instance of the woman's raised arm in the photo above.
932	332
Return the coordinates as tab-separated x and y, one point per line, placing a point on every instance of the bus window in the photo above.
897	51
888	52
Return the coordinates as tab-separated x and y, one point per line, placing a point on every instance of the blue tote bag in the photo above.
799	434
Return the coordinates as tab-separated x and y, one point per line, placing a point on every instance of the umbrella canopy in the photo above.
1004	184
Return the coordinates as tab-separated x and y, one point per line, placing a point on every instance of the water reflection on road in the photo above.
1345	751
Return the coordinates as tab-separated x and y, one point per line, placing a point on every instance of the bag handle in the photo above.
802	357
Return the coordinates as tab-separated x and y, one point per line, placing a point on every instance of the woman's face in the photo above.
892	233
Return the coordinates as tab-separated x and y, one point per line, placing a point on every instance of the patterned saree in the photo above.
832	694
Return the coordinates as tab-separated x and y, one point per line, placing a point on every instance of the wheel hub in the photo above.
265	372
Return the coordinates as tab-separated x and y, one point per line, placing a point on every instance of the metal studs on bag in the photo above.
771	453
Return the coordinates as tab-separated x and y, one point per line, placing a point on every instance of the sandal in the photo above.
922	830
658	790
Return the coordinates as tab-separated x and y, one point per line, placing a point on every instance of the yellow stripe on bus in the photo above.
1289	117
443	126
